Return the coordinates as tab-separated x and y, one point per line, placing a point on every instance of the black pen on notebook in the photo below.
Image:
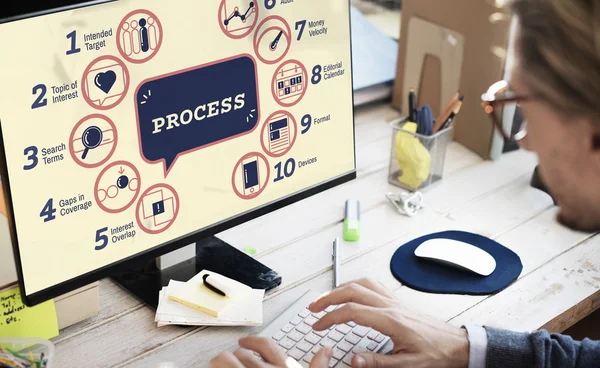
214	284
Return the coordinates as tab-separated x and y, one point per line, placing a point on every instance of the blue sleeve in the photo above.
539	349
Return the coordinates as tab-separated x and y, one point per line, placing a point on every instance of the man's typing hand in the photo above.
270	353
419	341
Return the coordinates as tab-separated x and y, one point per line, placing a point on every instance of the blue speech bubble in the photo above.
195	108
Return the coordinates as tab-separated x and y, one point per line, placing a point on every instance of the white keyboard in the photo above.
294	335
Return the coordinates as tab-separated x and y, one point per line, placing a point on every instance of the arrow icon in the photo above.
121	170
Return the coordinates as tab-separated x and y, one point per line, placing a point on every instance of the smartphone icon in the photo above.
250	176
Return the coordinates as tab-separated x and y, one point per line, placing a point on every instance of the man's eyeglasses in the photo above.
500	100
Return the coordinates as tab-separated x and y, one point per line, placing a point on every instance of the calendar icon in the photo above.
289	83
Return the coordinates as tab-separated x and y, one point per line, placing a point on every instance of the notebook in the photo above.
170	312
195	294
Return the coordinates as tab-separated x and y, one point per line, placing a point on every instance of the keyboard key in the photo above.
345	346
304	364
332	327
348	358
296	320
327	342
308	357
338	353
380	338
361	347
287	328
287	343
305	313
312	338
295	335
344	329
332	362
353	339
282	349
335	336
296	353
279	335
303	328
316	349
361	331
341	364
305	346
372	346
319	315
351	324
330	309
322	333
310	320
372	335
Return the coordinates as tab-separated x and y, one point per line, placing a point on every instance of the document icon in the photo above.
279	135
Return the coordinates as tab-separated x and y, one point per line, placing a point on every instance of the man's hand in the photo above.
272	356
419	341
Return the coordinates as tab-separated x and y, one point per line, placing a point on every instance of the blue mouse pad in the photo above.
425	275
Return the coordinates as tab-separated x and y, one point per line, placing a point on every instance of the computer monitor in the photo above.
130	129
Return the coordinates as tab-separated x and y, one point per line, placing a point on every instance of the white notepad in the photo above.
170	312
195	294
184	303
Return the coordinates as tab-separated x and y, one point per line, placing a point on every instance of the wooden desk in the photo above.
558	287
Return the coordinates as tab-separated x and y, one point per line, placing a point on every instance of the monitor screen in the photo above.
130	128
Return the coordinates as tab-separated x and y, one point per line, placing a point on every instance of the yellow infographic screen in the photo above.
132	123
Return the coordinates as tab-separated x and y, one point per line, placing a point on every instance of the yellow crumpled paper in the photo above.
413	158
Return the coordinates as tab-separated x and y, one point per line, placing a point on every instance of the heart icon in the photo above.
105	80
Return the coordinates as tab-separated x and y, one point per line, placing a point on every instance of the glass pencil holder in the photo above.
26	352
416	160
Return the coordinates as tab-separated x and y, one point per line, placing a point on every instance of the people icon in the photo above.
139	36
144	36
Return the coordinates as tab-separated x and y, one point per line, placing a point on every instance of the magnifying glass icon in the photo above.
91	138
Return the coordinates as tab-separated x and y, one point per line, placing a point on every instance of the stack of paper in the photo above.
192	303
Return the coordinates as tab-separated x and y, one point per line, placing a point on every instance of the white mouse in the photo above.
457	254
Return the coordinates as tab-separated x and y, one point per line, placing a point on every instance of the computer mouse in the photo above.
457	254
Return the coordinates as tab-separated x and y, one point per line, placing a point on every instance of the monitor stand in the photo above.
145	279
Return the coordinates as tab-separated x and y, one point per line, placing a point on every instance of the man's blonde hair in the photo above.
559	48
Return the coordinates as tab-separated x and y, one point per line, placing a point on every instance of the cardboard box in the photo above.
440	38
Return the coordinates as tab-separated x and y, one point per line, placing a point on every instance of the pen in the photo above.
216	286
452	115
412	106
446	113
336	262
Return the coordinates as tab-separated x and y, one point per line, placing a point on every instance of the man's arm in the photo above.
507	349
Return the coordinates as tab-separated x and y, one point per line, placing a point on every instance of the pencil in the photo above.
452	114
441	119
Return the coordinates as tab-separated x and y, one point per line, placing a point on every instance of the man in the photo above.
556	81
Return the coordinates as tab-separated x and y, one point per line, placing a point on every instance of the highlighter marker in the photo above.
352	221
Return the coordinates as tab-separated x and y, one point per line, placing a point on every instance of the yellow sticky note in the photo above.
18	320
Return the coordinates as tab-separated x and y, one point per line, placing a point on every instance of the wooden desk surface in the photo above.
558	286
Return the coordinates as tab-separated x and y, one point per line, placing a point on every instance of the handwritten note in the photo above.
16	319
